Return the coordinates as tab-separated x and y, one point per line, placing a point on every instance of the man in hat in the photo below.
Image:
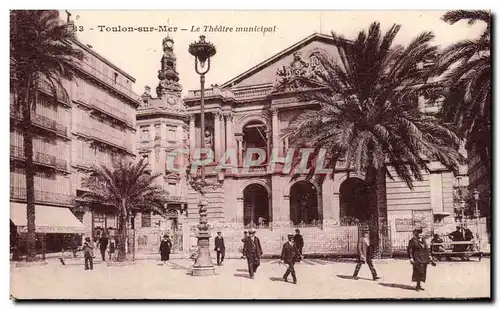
253	252
299	241
365	255
458	235
289	255
220	248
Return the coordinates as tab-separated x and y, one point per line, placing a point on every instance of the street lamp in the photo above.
203	266
476	214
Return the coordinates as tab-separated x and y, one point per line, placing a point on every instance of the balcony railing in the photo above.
39	158
107	80
110	111
45	86
43	122
17	193
104	138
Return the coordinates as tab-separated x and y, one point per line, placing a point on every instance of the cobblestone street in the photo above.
317	279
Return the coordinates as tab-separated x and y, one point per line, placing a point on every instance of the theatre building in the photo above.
251	111
90	124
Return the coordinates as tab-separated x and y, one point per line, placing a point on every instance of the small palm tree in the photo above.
39	48
369	118
466	69
128	187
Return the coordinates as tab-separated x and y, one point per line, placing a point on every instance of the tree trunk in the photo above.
376	201
30	174
122	236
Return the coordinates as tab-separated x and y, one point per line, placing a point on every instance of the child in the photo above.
88	253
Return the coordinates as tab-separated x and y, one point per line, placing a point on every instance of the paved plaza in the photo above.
317	279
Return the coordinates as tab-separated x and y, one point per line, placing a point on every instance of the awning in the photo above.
48	219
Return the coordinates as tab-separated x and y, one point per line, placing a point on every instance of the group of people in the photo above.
252	251
417	250
459	234
104	243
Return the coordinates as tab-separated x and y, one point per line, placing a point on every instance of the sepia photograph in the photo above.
250	155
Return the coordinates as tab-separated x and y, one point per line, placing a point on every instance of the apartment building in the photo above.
91	125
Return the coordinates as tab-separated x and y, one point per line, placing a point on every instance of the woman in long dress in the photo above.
419	255
165	247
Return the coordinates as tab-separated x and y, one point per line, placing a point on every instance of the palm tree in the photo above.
466	70
128	187
369	118
39	49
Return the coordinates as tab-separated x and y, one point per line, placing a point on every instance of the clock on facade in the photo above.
171	100
170	44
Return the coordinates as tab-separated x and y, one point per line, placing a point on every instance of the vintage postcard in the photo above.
250	154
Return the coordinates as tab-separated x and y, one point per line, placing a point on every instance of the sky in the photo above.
139	53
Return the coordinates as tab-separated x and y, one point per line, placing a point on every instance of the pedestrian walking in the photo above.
103	246
245	235
289	255
165	247
253	252
365	255
88	253
112	248
419	255
220	248
299	241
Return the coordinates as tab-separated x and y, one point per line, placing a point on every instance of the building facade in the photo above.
90	124
251	111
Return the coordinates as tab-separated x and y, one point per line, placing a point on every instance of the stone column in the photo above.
275	128
217	135
239	140
230	144
268	149
223	143
239	210
331	204
192	135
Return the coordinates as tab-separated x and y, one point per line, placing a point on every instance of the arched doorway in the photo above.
256	205
303	203
355	199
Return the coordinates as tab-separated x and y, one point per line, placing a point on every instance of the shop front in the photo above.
56	229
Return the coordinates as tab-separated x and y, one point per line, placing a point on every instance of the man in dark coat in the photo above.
165	247
365	255
88	253
103	245
299	241
220	248
289	255
253	252
418	252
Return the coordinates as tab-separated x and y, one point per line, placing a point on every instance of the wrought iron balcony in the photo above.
19	194
107	80
62	96
104	138
39	158
43	122
111	111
